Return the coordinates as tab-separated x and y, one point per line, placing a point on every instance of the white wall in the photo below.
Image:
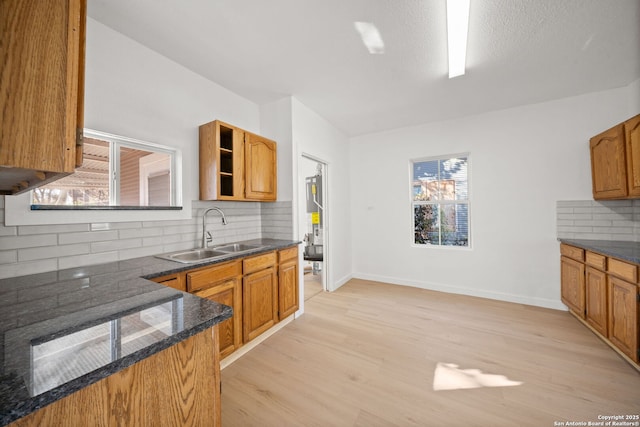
522	161
133	91
275	123
314	136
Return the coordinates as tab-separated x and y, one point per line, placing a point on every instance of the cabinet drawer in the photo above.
260	262
624	270
287	254
175	281
210	276
595	260
572	252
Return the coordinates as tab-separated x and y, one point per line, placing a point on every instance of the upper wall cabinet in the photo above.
615	161
42	46
236	164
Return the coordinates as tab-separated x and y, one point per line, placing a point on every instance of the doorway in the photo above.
313	226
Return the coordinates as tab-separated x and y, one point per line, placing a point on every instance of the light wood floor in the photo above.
312	285
365	355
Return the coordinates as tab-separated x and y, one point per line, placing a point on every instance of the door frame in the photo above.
325	215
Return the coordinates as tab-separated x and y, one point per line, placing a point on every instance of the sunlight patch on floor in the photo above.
448	376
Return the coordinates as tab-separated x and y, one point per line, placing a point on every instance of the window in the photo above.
440	201
116	171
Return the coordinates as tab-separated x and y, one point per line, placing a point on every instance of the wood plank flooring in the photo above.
365	355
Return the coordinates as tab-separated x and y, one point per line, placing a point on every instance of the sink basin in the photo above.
236	247
193	255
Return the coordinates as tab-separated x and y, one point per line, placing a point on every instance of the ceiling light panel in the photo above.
457	30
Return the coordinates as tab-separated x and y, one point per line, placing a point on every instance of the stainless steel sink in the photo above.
193	255
237	247
203	254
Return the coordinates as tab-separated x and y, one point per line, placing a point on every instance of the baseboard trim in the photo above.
254	342
518	299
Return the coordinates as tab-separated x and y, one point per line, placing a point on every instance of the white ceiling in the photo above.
519	52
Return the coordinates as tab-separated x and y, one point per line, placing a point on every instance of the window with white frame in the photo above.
116	172
440	200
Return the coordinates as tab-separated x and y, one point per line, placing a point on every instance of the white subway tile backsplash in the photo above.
87	259
43	248
89	236
30	254
24	230
7	257
18	242
601	220
115	245
28	267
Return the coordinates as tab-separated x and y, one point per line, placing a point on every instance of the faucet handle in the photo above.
209	238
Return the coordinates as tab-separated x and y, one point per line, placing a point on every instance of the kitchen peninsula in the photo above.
104	343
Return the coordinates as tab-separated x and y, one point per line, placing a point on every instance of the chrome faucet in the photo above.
206	236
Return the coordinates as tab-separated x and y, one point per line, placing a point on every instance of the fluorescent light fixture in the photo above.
457	29
370	37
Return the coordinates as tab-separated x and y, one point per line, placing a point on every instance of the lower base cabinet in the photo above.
262	290
259	295
623	317
222	283
596	300
603	292
179	386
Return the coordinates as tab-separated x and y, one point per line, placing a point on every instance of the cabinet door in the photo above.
287	289
596	299
632	139
608	164
228	293
221	160
260	305
572	284
41	76
260	160
623	316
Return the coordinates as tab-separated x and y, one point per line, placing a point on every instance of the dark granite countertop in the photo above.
61	331
628	251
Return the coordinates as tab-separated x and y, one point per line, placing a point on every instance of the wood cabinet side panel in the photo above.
177	386
632	140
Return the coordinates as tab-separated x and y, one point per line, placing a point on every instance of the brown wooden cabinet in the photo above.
260	168
222	283
259	294
615	161
262	290
42	81
572	278
611	297
596	299
236	164
623	316
287	282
